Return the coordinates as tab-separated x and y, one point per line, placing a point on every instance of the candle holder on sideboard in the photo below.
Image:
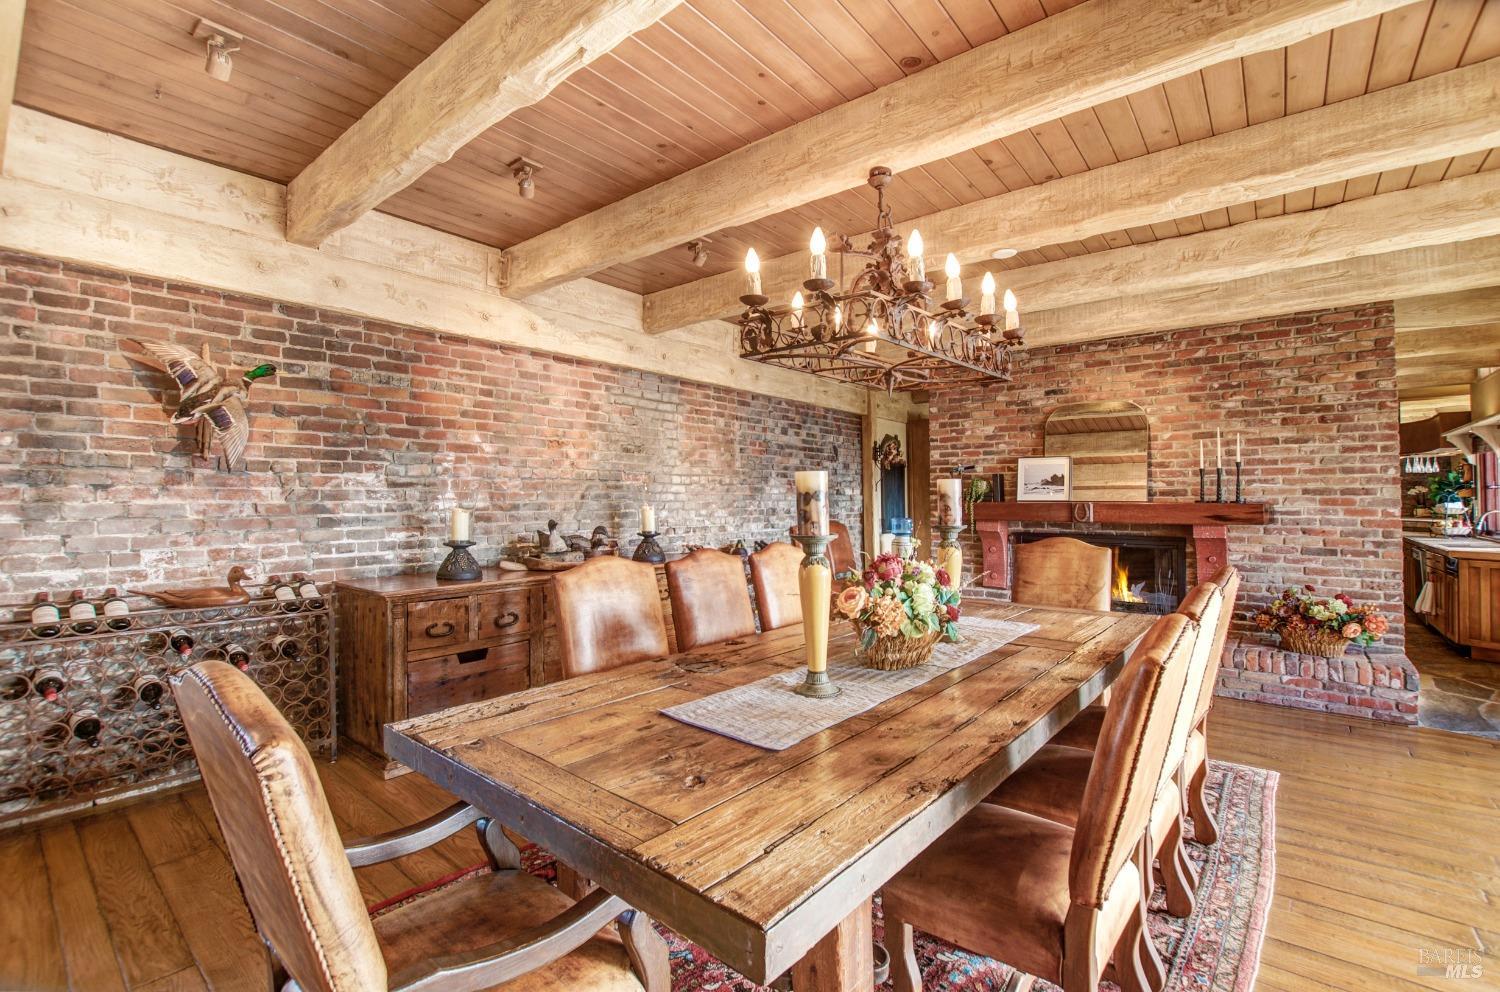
815	582
459	566
648	550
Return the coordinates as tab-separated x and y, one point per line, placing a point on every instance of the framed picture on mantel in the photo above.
1043	479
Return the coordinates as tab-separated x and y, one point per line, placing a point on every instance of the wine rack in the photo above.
54	759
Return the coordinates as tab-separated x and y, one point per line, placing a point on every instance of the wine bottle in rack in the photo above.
82	616
285	593
287	647
48	683
116	610
46	618
181	642
86	726
149	690
308	590
16	687
233	653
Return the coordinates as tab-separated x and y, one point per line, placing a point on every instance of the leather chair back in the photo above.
773	573
1228	581
710	600
1202	607
608	614
1128	761
840	549
279	831
1062	571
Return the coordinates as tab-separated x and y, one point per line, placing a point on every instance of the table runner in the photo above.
768	714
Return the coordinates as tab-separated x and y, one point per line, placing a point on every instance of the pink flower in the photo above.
1352	630
952	612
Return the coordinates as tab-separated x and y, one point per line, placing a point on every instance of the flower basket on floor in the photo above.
1320	626
900	609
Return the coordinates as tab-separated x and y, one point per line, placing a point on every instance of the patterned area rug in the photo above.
1217	949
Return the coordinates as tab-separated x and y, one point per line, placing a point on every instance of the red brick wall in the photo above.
1314	395
359	445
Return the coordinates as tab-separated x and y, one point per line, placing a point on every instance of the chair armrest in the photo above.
408	840
504	960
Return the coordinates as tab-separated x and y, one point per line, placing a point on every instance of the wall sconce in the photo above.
523	170
220	42
698	248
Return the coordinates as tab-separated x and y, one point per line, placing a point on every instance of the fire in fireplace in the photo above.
1150	572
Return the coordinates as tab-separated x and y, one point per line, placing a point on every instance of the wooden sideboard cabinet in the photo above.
409	645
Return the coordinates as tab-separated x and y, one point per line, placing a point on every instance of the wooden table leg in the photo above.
843	961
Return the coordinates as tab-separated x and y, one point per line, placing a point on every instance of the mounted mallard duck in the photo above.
205	397
230	594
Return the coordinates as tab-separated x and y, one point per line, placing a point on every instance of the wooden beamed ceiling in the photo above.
714	76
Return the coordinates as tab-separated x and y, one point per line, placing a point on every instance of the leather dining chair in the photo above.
504	929
1052	783
773	573
1054	901
840	549
608	614
710	600
1084	729
1062	571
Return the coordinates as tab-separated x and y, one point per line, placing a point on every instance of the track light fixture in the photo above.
220	42
524	170
698	248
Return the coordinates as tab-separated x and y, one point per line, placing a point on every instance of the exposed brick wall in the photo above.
359	446
1314	395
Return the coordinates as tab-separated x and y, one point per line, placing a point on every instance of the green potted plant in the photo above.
1448	490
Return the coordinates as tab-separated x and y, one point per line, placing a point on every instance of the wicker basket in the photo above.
1322	643
892	654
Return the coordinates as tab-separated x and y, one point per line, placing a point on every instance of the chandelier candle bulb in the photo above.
1012	317
459	523
874	331
812	503
914	248
987	295
752	273
818	247
797	309
955	284
932	332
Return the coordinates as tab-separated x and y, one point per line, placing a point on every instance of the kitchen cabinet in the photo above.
1479	608
1465	582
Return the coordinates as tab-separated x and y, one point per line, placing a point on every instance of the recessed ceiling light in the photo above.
1004	253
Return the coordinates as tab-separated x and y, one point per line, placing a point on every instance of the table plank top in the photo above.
756	854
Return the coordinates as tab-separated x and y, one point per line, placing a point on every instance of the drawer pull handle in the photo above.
440	629
509	620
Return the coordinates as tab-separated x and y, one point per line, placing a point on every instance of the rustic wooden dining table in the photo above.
767	859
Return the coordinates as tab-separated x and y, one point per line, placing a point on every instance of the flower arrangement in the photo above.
1312	624
901	608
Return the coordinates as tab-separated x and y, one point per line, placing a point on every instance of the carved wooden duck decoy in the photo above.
231	594
205	395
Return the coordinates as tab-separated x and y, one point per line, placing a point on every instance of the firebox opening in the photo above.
1150	573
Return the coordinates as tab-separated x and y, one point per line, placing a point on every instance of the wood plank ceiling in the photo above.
710	77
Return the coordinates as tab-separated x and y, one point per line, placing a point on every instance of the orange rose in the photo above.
852	600
1352	630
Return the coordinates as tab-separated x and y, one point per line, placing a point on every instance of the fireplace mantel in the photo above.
1208	522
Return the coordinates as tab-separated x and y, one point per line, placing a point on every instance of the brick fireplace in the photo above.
1314	396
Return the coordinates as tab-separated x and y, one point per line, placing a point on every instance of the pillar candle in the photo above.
886	540
812	502
648	518
458	524
950	502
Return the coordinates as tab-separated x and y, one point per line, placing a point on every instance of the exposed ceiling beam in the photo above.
1415	406
12	13
1448	342
1425	378
1451	267
507	56
1447	114
1068	62
1434	310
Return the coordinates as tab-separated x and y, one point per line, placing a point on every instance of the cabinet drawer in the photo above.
437	623
466	677
502	614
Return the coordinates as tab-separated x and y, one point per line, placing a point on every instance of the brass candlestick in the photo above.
459	566
815	581
950	557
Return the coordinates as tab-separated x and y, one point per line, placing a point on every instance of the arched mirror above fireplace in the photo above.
1109	444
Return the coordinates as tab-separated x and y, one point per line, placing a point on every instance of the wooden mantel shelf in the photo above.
1209	523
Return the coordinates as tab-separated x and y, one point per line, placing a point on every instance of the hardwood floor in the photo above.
1385	849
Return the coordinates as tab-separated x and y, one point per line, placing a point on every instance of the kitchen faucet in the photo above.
1479	524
